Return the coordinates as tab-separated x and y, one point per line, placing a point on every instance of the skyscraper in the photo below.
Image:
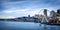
58	11
45	12
53	14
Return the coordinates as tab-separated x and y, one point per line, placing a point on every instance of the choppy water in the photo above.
7	25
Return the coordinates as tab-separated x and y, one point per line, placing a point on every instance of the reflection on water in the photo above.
6	25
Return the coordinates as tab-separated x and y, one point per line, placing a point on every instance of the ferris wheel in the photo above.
44	11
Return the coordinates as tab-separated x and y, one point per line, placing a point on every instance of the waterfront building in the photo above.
45	12
53	14
38	16
28	15
58	11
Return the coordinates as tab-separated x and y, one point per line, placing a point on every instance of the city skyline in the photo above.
19	8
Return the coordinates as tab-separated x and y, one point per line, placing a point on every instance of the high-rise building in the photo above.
58	11
45	12
53	14
28	15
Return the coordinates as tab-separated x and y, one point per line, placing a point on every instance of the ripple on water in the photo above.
7	25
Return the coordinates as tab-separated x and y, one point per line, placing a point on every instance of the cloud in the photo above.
12	5
15	11
21	12
23	4
6	17
17	2
16	8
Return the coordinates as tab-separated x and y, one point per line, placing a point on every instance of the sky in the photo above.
19	8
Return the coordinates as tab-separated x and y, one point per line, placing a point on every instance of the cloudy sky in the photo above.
18	8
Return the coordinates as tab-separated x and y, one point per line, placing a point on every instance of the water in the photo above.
8	25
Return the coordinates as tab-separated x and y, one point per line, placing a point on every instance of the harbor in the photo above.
29	14
8	25
53	19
